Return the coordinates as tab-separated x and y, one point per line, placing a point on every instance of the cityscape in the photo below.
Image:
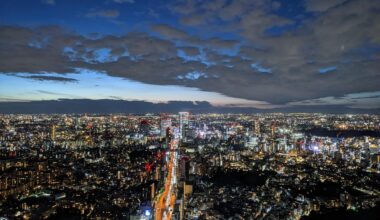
190	109
184	166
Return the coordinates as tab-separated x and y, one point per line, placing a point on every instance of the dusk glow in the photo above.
190	109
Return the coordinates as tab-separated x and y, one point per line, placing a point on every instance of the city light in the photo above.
190	109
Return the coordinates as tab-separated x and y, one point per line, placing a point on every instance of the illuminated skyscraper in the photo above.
183	121
165	124
257	128
53	132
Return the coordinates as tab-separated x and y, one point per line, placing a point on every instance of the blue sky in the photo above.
261	54
96	85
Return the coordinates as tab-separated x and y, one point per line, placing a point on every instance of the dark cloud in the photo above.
190	51
48	92
50	78
321	5
18	54
171	33
153	71
339	37
295	56
107	106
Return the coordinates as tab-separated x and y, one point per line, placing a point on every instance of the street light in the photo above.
147	213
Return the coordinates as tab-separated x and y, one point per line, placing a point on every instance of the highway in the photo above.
164	205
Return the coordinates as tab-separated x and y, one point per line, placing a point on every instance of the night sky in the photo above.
263	54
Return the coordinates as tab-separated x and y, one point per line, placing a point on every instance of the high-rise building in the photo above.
187	189
53	132
273	127
184	166
183	121
144	127
168	137
257	128
165	124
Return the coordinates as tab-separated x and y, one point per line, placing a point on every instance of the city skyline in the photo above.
190	109
183	166
201	56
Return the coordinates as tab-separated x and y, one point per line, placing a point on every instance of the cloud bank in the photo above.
273	56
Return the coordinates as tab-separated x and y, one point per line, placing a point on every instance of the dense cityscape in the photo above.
189	166
190	109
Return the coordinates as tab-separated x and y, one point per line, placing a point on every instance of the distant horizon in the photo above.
109	106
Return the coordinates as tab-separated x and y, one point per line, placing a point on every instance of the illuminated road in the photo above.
164	205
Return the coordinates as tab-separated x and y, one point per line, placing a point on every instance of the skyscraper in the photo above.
165	124
52	133
257	128
183	121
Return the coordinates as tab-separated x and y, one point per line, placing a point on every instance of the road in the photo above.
164	205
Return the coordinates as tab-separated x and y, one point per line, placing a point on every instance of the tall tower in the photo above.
273	137
165	124
183	120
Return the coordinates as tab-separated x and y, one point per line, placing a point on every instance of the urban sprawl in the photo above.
188	166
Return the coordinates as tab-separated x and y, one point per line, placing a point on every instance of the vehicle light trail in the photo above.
165	204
